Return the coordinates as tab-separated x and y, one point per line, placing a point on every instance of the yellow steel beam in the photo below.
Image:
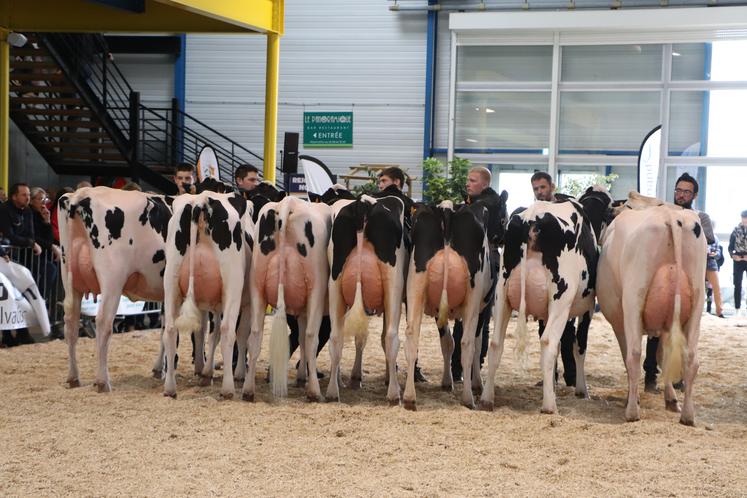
170	16
4	108
271	105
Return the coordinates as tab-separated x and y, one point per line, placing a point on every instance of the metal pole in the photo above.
271	105
4	108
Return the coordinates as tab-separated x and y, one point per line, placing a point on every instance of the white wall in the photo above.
335	56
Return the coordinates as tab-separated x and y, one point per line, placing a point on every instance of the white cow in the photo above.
547	271
208	254
650	281
289	272
113	244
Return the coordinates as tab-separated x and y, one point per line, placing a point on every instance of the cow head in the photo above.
212	185
333	194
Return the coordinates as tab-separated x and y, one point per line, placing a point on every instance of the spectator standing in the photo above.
16	219
43	265
246	177
184	177
738	253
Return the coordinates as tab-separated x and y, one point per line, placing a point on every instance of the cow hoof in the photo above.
409	405
102	388
226	396
248	397
687	422
170	395
547	411
447	387
672	405
313	398
469	405
331	399
487	406
393	402
356	383
632	418
72	383
582	395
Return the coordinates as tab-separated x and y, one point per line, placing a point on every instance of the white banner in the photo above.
648	163
15	311
207	164
89	306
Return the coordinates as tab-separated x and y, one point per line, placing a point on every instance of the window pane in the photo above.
515	121
611	63
627	177
504	63
728	61
720	133
514	179
690	61
612	123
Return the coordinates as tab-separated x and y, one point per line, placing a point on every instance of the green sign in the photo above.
327	129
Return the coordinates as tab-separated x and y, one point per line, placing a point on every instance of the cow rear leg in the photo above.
207	365
468	355
309	331
415	303
502	313
104	319
691	370
72	325
336	318
549	345
632	305
447	349
158	364
227	340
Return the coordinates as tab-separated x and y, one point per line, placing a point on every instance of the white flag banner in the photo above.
648	163
207	164
15	311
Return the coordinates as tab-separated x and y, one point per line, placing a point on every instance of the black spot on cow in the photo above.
267	232
163	270
181	239
583	274
239	204
216	220
301	249
574	218
697	229
551	241
249	241
384	228
582	333
467	235
309	231
679	223
562	287
427	234
130	240
344	232
114	220
159	256
157	214
86	214
237	235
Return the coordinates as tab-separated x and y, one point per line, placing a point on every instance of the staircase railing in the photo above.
147	137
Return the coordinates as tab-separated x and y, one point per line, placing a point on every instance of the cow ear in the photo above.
504	196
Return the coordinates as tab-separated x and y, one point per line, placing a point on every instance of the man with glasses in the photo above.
685	192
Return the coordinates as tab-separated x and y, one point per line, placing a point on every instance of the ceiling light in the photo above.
676	54
489	110
470	140
17	39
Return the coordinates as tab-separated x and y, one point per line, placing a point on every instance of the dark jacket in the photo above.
496	214
43	233
17	225
738	241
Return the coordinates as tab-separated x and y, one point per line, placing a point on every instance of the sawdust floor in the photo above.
135	442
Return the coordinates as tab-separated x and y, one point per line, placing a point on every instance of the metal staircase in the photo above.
78	110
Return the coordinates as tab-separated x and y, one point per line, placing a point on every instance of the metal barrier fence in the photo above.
46	271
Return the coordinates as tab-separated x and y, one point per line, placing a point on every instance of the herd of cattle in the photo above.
349	258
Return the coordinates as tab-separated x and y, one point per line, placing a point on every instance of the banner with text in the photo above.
327	129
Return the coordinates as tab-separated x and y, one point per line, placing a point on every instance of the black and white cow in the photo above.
113	243
449	277
549	272
208	256
290	272
368	259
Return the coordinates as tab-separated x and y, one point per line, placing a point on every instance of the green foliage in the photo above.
578	187
439	187
369	187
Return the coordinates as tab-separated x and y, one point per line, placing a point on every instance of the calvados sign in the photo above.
327	129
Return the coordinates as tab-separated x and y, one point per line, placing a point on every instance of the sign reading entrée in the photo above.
327	129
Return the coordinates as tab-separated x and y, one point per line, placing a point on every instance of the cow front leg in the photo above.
633	338
691	371
72	326
336	319
242	341
356	374
254	344
104	319
204	366
169	344
158	364
579	354
502	314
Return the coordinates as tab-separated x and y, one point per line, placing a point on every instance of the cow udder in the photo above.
371	281
295	285
208	284
658	310
456	286
536	287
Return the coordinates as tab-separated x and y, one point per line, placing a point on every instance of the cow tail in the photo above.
675	345
279	345
356	320
443	305
190	318
521	323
